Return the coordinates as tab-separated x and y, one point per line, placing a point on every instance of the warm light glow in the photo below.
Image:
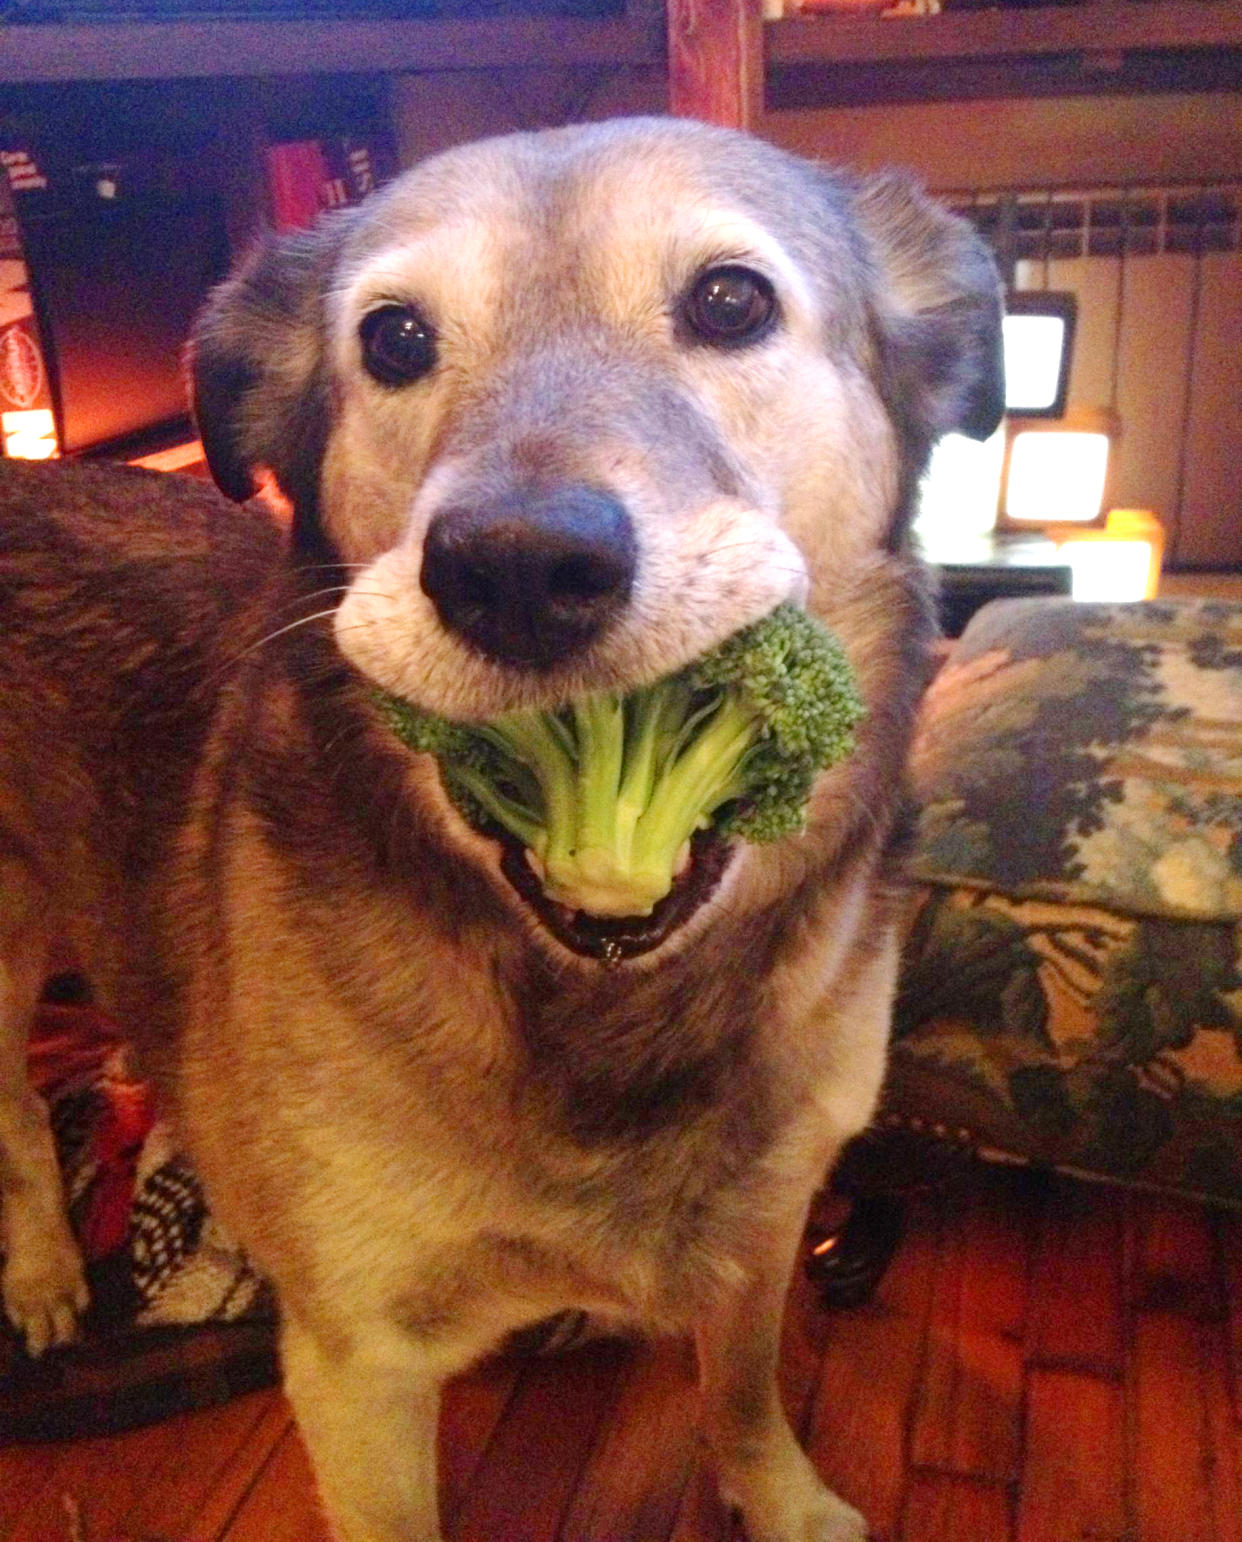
1118	563
176	458
958	494
29	435
1033	348
1057	476
1108	570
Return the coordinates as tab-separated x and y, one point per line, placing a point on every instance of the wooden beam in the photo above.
164	50
715	61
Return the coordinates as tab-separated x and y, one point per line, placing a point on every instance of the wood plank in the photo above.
632	1485
967	1418
1174	1259
135	1482
470	1413
1073	1463
24	1472
282	1505
239	1474
1077	1308
1229	1233
715	61
999	145
805	1331
859	1429
1106	26
942	1507
223	1440
702	1516
1168	1462
1224	1442
530	1470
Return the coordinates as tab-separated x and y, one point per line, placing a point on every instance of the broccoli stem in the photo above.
600	724
636	810
702	777
519	820
529	737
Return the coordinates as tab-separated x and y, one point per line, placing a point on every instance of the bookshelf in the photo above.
178	50
1100	28
728	64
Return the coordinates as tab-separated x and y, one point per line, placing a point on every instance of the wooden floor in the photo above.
1044	1363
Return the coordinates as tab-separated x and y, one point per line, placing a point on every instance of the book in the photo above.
307	176
27	419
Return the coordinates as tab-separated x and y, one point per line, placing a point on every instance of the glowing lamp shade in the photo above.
1120	561
1038	333
1056	477
1034	350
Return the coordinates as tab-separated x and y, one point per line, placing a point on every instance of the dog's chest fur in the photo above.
586	1135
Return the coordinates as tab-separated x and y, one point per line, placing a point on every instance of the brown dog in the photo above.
702	377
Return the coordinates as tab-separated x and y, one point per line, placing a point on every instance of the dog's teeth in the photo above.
535	864
684	857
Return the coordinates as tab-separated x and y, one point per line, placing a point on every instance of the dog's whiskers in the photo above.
319	615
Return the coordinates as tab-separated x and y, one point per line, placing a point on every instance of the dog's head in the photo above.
577	405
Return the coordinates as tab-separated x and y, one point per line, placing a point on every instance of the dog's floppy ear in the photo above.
258	380
939	311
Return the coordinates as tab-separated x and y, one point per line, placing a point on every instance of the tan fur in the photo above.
430	1122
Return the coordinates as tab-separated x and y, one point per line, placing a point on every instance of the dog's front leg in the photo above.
41	1279
368	1408
761	1468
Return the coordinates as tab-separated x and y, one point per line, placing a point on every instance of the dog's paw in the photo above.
782	1499
43	1288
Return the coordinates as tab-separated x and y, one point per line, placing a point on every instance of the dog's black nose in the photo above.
533	576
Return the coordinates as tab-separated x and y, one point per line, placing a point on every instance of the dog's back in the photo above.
123	599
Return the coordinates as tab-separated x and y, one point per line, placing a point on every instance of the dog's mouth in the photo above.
613	940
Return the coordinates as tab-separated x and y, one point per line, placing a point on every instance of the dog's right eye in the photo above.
730	306
398	345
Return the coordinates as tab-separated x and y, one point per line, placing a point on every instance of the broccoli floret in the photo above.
606	792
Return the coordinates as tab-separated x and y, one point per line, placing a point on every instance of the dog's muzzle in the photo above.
533	576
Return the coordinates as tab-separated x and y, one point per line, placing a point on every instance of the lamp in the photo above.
29	435
1038	331
1119	560
1057	469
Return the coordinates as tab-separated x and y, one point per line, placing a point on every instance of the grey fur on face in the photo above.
552	269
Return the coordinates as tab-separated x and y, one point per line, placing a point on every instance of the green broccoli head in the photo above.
606	792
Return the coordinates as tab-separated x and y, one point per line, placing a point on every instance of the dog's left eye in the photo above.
730	306
398	345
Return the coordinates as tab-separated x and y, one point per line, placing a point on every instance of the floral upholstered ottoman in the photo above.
1072	990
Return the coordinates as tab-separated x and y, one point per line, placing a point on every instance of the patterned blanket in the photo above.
178	1319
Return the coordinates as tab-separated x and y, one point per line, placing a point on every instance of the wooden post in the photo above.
715	61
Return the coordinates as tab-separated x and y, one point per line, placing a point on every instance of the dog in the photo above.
555	412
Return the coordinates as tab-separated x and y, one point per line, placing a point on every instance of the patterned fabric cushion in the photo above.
1072	990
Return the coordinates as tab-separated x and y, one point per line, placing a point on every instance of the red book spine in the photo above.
296	173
